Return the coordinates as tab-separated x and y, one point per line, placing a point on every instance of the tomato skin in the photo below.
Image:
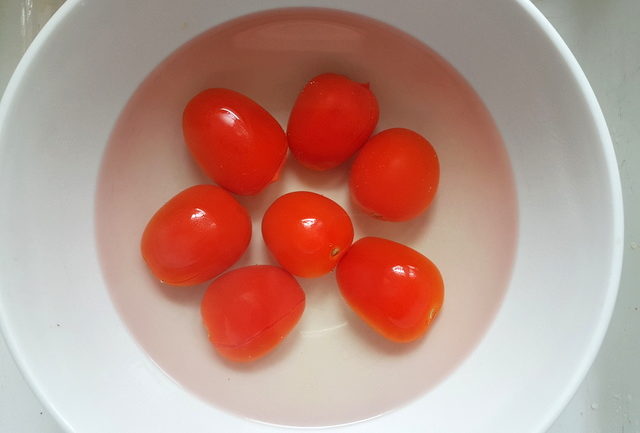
195	236
393	288
307	233
331	119
249	310
395	176
235	141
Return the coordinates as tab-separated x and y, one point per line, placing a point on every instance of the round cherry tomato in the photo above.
395	176
249	310
235	141
195	236
331	119
307	233
393	288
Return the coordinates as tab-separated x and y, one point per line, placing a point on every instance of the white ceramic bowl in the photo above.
527	226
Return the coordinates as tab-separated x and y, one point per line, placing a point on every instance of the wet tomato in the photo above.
331	119
235	141
249	310
195	236
393	288
307	233
395	175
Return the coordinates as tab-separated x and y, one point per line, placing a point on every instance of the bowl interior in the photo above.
332	369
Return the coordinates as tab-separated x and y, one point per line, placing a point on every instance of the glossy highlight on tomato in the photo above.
396	290
395	175
195	236
235	141
331	119
307	233
248	311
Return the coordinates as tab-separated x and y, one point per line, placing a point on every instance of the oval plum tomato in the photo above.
235	141
331	119
307	233
249	310
395	176
393	288
195	236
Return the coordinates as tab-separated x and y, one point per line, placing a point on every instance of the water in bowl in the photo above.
332	369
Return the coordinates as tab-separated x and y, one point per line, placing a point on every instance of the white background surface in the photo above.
605	37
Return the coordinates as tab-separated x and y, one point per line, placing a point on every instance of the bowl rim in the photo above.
615	190
27	58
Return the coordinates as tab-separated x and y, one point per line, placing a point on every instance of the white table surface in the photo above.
604	35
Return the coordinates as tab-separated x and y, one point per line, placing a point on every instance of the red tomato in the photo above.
249	310
307	233
395	176
331	119
236	142
195	236
393	288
